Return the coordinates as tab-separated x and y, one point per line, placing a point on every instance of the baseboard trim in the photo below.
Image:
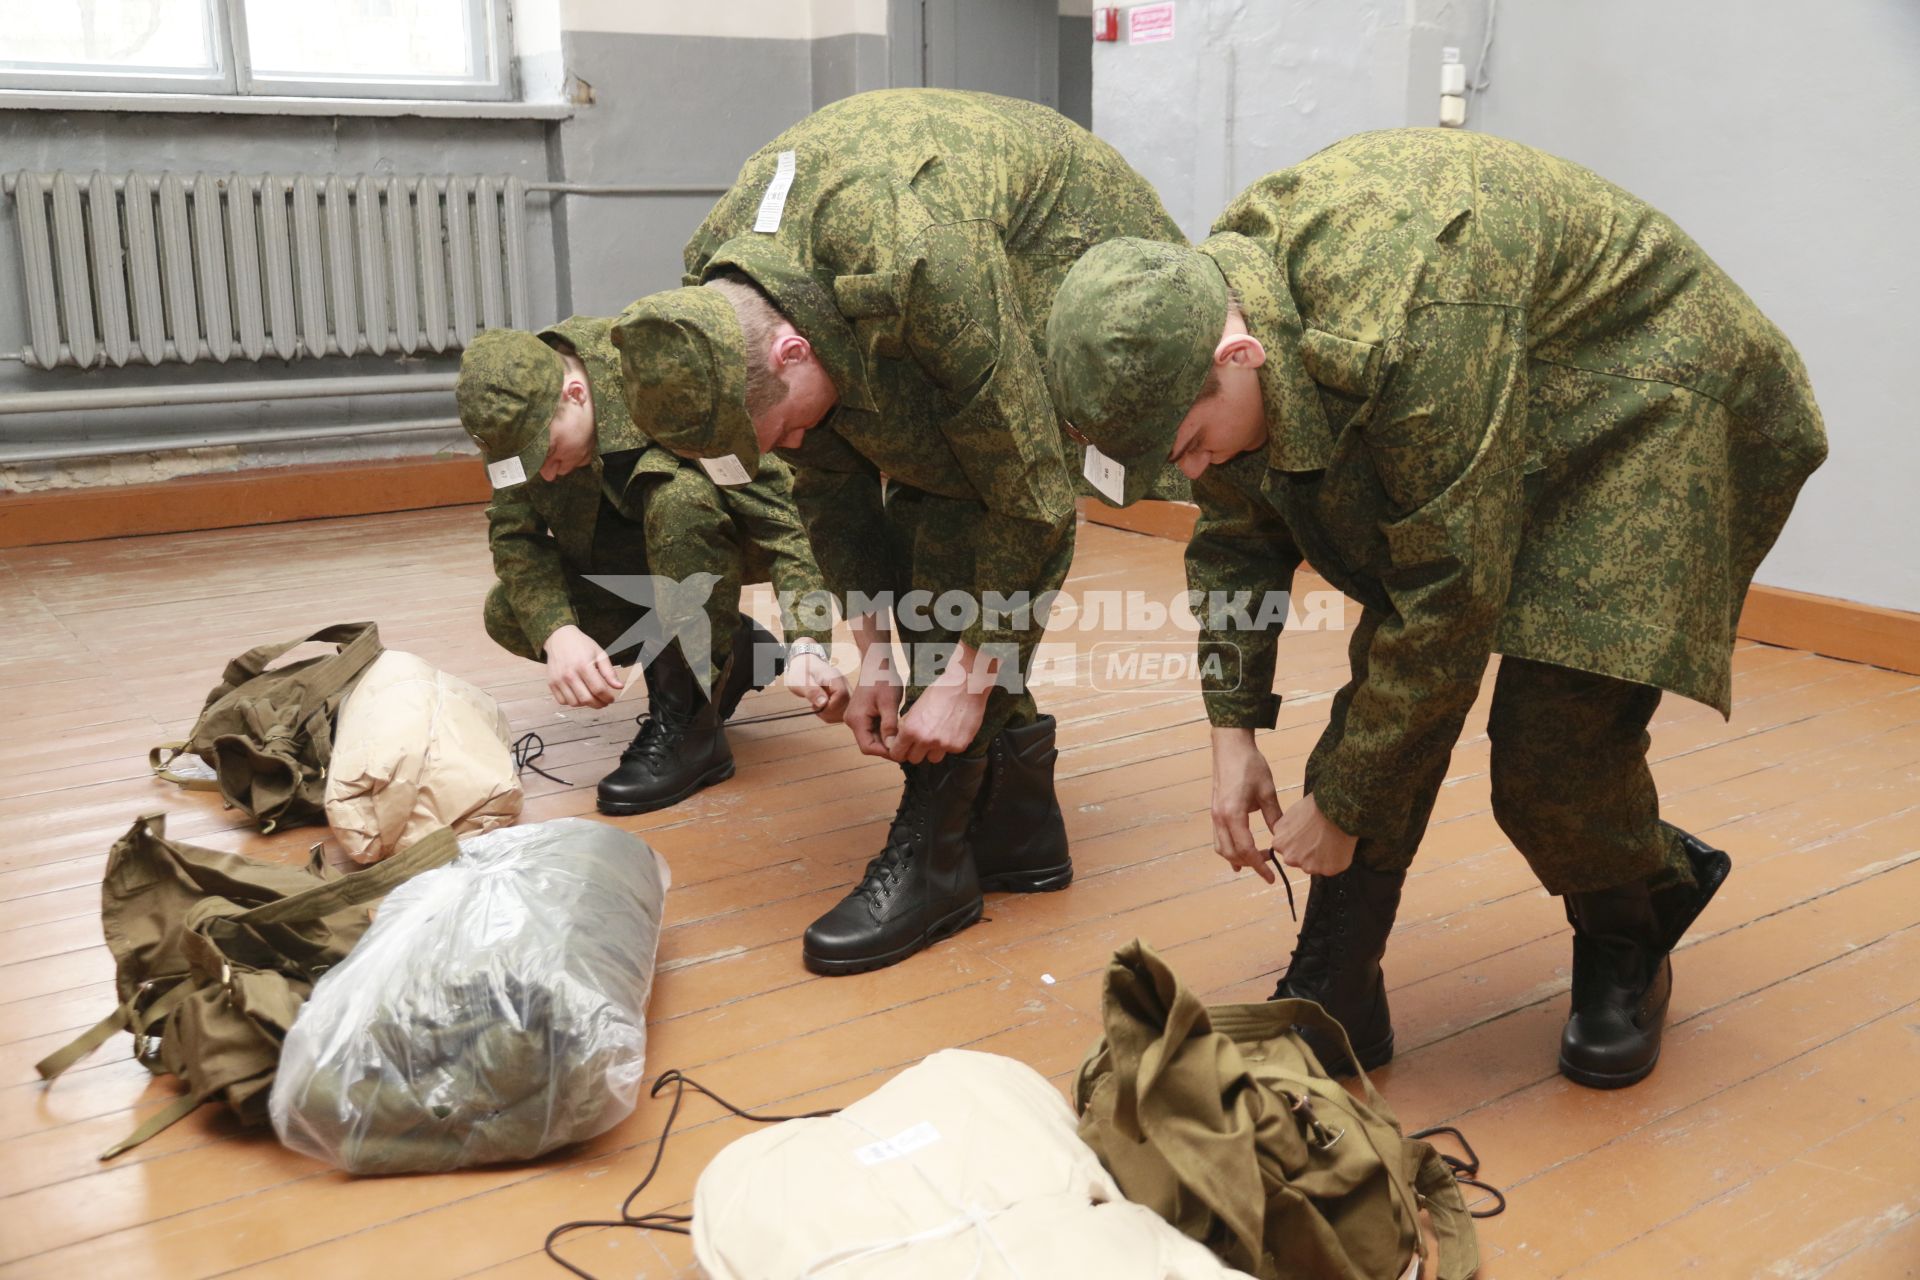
1819	624
230	500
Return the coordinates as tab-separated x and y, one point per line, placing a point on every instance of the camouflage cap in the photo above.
683	364
508	391
1129	342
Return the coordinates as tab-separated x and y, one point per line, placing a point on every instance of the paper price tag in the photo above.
1106	475
773	205
906	1142
727	469
506	473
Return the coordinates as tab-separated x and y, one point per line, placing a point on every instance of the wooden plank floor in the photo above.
1779	1137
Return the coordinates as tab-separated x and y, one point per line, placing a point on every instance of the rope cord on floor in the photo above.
659	1220
1465	1171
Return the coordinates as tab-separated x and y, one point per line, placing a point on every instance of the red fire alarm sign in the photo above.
1106	24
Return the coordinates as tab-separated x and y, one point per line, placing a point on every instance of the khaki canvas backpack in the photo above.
268	734
1222	1121
215	953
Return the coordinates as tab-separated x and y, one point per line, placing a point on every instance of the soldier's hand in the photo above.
824	688
579	673
1242	785
941	723
873	713
1307	839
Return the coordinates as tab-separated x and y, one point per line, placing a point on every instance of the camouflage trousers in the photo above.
683	530
1571	784
932	550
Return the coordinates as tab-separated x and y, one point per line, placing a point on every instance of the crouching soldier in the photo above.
580	493
870	297
1508	408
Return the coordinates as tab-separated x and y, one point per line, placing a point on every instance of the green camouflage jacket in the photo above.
536	527
918	250
1511	408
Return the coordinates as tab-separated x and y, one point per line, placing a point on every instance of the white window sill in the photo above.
243	105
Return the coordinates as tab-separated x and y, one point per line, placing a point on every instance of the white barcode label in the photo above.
906	1142
506	473
727	469
774	204
1105	475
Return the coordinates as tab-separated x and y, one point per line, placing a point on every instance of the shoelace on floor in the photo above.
528	748
677	1223
1465	1172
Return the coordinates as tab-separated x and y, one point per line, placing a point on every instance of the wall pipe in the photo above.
116	448
225	393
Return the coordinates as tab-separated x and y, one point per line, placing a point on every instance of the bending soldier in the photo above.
871	296
580	494
1507	407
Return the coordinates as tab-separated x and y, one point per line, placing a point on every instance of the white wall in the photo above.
1784	137
1249	86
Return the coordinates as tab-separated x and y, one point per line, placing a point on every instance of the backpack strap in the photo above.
434	849
361	639
165	1118
163	768
122	1018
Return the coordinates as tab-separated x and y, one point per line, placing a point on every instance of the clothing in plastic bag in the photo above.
417	749
963	1167
495	1010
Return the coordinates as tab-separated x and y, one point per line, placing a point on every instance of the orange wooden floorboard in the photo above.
1776	1138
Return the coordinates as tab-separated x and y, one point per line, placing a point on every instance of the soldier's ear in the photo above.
790	348
1240	349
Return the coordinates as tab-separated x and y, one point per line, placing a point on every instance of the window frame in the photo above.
490	22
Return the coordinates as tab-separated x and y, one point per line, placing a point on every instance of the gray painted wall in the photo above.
668	110
1246	88
1076	69
1786	140
117	142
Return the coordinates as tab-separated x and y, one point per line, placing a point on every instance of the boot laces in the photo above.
903	839
656	739
1320	938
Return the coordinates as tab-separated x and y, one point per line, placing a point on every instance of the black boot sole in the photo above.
1606	1080
1046	880
626	808
946	928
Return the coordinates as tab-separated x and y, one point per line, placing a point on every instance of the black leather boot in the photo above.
920	888
742	677
679	750
1336	962
1623	971
1019	837
1622	980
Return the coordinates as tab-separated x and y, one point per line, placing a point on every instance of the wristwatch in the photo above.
804	646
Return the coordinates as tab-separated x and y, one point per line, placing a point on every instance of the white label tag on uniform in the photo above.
774	203
906	1142
1106	475
726	469
506	473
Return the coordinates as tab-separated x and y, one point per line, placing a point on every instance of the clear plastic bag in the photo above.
496	1009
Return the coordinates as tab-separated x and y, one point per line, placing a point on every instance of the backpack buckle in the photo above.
1319	1137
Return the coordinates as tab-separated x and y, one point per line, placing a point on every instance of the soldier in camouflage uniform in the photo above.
1508	408
876	286
580	493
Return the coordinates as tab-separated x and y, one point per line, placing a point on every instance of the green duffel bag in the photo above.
267	733
1221	1120
214	954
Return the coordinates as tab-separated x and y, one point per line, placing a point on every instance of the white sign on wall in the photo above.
1150	23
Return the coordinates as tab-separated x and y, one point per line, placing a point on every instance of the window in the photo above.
330	48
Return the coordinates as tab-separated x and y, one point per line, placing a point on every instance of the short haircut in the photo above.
759	318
